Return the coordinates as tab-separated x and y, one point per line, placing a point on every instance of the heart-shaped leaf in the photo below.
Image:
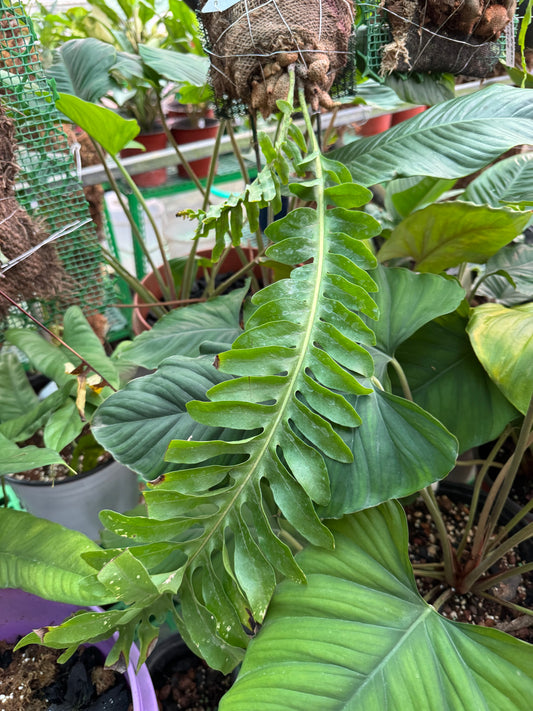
359	636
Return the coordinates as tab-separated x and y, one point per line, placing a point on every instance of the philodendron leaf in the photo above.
398	450
16	459
447	380
503	341
303	346
16	394
450	140
445	234
176	67
406	301
508	180
138	423
46	559
184	331
359	636
81	67
516	261
109	129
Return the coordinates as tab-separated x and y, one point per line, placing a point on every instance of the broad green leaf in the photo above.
450	140
45	558
63	427
445	234
517	261
45	357
137	423
503	341
16	393
106	127
176	67
413	451
359	636
407	301
81	67
508	180
376	94
21	428
447	380
79	335
185	331
405	195
426	89
16	459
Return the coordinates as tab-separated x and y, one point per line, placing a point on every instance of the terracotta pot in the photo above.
374	125
400	116
20	612
140	312
184	132
152	142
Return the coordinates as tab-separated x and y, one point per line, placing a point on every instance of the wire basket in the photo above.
47	186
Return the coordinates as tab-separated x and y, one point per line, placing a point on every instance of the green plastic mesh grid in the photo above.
48	186
373	18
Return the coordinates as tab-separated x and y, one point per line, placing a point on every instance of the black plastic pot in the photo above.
180	677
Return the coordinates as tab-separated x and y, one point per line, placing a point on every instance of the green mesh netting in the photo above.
47	184
429	48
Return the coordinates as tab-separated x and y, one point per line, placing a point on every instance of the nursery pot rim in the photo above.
67	480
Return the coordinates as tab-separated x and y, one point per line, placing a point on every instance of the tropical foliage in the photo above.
355	381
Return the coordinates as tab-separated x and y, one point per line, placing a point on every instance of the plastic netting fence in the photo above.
433	48
47	185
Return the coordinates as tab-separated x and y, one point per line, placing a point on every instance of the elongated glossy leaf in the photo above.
450	140
137	424
176	67
45	357
63	426
14	459
508	180
359	636
447	380
185	331
503	341
108	128
426	89
46	559
517	261
16	393
414	451
81	67
445	234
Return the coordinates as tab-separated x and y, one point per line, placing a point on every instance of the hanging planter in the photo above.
21	612
435	36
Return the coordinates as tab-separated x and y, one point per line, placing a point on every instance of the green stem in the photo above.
503	484
477	490
167	289
446	595
184	162
495	555
505	603
512	523
134	283
238	155
447	553
403	380
136	233
497	579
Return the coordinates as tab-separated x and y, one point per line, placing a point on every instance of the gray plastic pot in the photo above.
76	502
21	612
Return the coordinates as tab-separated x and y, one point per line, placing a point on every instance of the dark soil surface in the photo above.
424	547
190	684
32	680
